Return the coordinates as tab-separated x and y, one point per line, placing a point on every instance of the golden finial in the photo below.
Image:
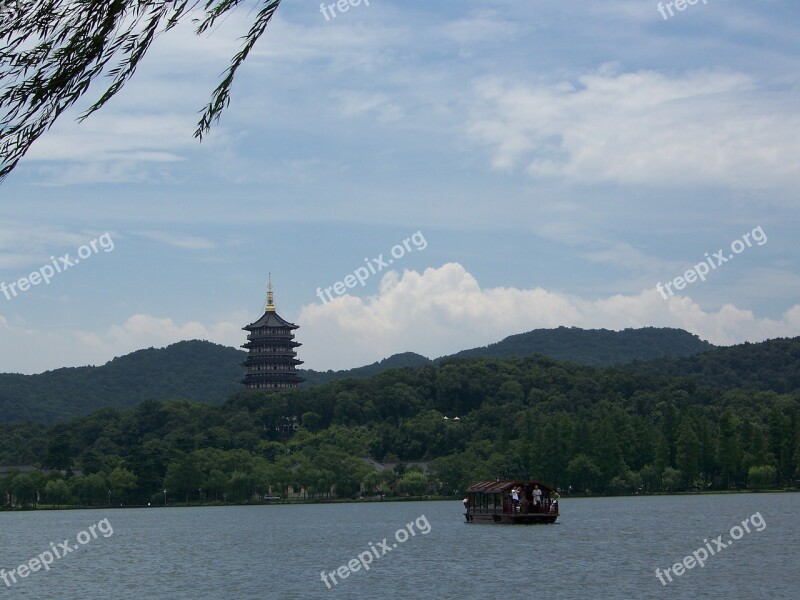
270	300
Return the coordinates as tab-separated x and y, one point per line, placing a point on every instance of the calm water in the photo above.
607	548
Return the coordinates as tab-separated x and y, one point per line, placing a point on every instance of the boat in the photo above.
511	501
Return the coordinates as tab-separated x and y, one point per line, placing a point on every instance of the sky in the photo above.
522	164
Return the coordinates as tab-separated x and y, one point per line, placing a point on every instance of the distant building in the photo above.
272	359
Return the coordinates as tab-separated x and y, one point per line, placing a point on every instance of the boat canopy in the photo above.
504	486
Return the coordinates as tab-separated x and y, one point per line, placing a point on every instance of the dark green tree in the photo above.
688	452
729	453
583	473
183	478
413	483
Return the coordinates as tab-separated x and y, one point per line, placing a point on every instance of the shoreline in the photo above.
375	500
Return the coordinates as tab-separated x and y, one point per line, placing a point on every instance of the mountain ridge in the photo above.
208	372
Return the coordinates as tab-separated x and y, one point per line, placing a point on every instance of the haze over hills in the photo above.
207	372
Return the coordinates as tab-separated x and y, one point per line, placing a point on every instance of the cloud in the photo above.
359	103
444	310
436	312
25	244
645	127
482	26
185	242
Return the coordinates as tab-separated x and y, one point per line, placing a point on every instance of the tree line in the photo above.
585	430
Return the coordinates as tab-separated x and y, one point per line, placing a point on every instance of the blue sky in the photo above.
559	159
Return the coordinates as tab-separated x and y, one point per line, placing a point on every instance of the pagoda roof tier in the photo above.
271	319
279	340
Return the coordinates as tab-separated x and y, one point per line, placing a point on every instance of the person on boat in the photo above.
537	497
515	498
554	505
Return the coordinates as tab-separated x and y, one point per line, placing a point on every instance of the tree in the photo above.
687	452
780	442
607	454
215	484
650	477
729	453
57	491
24	489
672	480
122	482
583	473
763	476
241	486
58	454
183	478
311	421
413	483
54	50
83	488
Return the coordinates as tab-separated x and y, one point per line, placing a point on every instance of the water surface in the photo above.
604	547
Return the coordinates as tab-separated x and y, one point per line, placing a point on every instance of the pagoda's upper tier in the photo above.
271	319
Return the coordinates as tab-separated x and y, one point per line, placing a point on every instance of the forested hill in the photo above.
594	347
591	347
195	370
207	372
582	429
396	361
772	365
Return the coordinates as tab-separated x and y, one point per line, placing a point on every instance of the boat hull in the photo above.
517	519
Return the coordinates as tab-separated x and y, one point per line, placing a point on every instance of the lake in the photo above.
601	547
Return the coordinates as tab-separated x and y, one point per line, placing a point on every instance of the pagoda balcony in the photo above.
272	380
251	368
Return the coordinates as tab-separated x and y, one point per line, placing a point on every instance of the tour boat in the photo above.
511	501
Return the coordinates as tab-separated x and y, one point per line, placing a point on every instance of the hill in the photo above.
773	365
396	361
195	370
208	372
594	347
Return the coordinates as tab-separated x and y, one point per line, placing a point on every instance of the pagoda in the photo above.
271	358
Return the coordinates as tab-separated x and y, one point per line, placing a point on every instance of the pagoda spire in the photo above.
270	296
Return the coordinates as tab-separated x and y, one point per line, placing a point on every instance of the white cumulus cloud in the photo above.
444	310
